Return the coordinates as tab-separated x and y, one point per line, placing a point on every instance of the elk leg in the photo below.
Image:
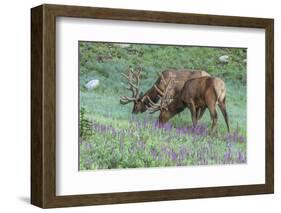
200	115
214	116
193	113
224	112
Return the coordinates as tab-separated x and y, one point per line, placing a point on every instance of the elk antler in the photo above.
133	79
165	96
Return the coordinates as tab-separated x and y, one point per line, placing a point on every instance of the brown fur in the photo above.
199	94
180	76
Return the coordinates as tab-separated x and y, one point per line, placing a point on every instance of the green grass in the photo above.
120	140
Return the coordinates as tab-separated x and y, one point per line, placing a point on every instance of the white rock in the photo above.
245	60
224	59
92	84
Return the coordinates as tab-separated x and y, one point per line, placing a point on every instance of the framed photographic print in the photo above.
136	106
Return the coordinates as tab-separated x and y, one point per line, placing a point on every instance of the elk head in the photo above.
133	79
166	97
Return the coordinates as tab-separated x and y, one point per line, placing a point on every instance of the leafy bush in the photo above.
85	125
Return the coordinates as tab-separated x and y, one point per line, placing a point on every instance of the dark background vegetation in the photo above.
106	61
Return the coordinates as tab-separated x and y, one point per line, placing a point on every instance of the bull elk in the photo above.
197	95
141	101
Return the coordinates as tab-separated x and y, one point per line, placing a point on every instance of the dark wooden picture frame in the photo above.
43	105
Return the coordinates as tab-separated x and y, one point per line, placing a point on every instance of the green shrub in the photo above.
85	127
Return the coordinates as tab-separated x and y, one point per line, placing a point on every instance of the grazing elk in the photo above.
197	94
141	100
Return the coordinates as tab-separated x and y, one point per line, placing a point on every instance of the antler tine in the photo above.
158	90
124	75
124	101
136	74
159	96
131	87
154	107
168	88
151	102
165	97
127	98
143	98
163	79
134	88
166	85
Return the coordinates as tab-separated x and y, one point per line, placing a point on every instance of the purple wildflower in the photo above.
182	153
241	139
182	131
164	149
113	131
141	144
88	163
200	130
227	155
235	136
178	131
155	124
174	155
167	127
241	158
144	123
153	153
88	146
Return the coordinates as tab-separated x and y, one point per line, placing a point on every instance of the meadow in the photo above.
112	137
